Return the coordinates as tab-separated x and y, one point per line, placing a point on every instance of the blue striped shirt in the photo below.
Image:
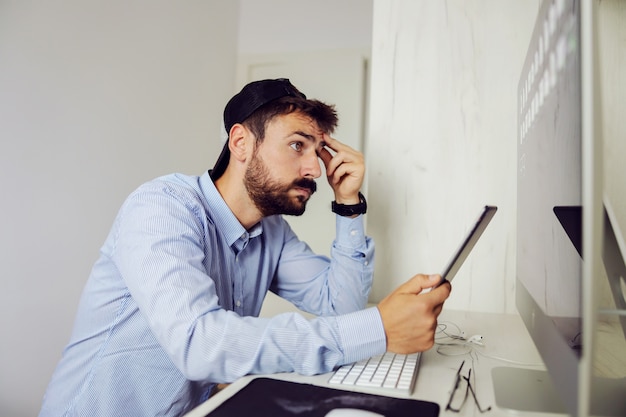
171	305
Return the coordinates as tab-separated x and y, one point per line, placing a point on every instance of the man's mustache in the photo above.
307	183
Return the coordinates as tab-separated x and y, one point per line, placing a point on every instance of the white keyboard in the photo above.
390	370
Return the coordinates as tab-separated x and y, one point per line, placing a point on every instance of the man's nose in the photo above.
311	166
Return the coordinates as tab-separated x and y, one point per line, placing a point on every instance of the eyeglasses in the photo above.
457	398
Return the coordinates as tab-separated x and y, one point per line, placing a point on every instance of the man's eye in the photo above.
297	146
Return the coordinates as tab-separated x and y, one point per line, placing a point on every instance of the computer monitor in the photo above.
560	215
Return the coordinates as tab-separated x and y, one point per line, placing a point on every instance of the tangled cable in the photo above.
451	340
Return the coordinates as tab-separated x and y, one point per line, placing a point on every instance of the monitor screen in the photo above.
549	192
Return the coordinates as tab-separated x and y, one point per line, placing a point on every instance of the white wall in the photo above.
95	98
285	26
442	139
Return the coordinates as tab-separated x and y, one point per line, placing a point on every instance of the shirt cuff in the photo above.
350	232
362	334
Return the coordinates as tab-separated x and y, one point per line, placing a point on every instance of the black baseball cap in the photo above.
251	97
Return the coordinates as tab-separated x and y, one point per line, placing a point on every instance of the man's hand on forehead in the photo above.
345	169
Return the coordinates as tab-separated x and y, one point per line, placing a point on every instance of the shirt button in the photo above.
366	263
238	303
353	233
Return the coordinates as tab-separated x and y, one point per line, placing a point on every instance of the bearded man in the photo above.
171	306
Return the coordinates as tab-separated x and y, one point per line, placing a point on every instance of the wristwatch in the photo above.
348	210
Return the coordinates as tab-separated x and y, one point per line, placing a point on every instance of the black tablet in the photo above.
468	243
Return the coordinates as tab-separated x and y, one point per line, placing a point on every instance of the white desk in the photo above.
504	337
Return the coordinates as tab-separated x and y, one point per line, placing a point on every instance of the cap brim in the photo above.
221	164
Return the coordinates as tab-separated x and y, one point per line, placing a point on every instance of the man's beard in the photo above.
272	197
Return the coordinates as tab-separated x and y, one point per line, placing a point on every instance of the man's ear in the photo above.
239	142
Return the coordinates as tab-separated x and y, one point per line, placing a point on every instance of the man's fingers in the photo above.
325	156
423	285
419	283
334	144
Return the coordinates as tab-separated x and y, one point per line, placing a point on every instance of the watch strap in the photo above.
348	210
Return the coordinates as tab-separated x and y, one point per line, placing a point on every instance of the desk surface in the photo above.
506	343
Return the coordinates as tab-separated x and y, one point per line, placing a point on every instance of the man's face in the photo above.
280	175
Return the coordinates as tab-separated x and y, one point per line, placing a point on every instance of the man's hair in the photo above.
323	114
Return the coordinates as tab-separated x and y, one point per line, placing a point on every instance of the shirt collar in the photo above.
223	217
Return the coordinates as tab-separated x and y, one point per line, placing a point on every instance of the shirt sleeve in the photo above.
159	250
323	286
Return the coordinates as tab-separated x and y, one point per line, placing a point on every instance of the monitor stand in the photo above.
532	391
525	390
